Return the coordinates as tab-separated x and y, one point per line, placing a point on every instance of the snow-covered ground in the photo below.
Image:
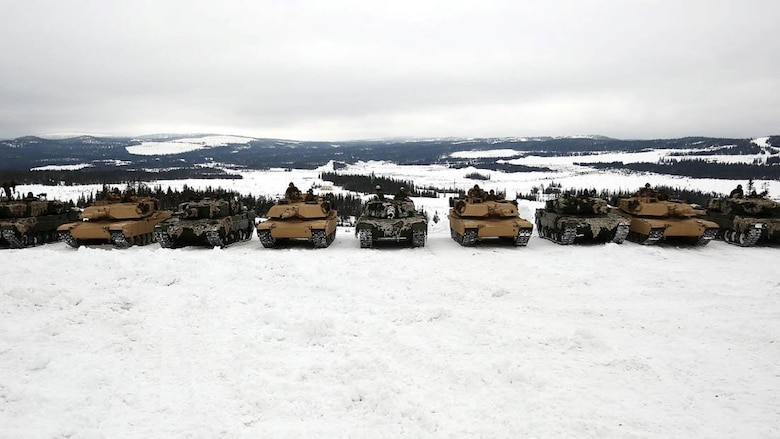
442	341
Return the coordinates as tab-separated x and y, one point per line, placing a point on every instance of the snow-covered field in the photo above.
443	341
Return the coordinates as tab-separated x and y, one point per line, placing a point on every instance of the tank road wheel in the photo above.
366	238
418	238
469	238
750	238
266	239
318	239
567	236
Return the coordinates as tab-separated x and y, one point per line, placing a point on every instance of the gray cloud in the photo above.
346	69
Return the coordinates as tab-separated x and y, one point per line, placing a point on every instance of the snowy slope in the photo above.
543	341
178	146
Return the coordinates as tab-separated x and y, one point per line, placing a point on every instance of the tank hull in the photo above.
413	230
34	230
468	230
312	230
746	231
569	229
120	233
176	232
652	230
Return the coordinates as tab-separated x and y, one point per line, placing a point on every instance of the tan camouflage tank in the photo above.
121	222
206	222
32	220
569	219
297	218
474	218
654	218
746	221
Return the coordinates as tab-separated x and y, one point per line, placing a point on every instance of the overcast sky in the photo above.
335	70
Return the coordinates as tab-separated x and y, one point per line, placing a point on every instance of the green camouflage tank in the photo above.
207	222
746	221
391	220
32	221
568	219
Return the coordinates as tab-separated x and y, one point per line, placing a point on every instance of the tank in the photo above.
311	220
475	219
32	221
384	219
568	220
746	221
206	222
123	223
654	219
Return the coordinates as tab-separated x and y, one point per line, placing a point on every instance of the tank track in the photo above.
522	238
468	239
621	233
68	238
418	238
706	237
213	238
266	239
566	237
164	239
13	240
119	240
366	238
319	239
652	238
748	239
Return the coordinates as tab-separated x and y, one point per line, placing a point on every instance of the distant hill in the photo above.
203	155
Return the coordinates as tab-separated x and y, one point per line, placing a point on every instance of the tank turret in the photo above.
123	221
207	222
476	218
569	219
32	220
303	218
655	218
746	221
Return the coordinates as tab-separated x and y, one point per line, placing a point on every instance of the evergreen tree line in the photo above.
700	169
115	176
367	183
538	193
